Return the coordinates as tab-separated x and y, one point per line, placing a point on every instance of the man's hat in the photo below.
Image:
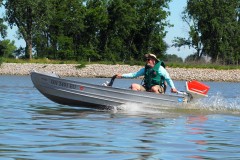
153	56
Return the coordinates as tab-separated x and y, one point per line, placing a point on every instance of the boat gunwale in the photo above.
114	89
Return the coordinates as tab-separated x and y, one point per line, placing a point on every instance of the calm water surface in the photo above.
34	128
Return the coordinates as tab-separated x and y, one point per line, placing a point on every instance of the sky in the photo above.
180	29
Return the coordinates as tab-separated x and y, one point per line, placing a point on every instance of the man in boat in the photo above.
155	76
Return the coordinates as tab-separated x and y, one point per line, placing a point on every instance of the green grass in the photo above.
41	61
82	64
202	65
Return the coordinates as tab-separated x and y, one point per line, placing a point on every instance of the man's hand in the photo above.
174	90
119	76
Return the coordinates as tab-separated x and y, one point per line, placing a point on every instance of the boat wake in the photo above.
136	109
219	103
213	104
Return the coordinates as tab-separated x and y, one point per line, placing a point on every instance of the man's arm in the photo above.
169	81
135	74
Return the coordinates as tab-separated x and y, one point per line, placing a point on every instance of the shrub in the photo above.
81	65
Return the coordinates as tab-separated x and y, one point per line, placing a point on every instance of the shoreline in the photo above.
106	71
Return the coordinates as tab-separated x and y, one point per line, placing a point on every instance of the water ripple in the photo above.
34	128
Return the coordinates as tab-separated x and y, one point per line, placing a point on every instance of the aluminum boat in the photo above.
74	93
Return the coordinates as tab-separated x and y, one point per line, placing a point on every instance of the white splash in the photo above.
219	103
105	83
213	104
134	108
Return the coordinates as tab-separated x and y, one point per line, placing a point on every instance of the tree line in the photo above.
114	30
120	30
214	30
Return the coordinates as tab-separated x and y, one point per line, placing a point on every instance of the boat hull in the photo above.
74	93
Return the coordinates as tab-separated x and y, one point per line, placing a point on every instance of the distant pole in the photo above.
238	10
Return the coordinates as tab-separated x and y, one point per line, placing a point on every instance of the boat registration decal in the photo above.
63	84
180	100
81	88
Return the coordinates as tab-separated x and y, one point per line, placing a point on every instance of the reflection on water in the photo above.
34	128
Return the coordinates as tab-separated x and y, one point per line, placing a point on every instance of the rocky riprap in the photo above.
102	70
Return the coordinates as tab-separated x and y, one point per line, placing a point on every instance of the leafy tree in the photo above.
115	38
3	28
60	38
151	27
3	33
193	58
101	30
7	48
194	39
71	24
95	21
172	58
19	52
214	29
29	16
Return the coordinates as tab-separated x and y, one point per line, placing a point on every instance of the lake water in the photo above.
34	128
